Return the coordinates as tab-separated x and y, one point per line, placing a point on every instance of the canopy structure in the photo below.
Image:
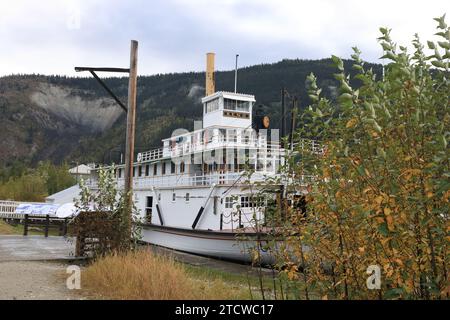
66	210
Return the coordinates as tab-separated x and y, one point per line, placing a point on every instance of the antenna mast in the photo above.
235	74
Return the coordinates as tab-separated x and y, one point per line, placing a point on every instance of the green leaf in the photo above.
384	30
339	76
444	45
389	55
386	46
438	64
383	229
345	97
361	170
377	127
345	88
431	45
386	112
443	141
441	21
338	62
394	293
437	54
381	152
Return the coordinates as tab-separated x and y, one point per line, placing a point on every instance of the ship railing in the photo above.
154	154
188	147
8	209
182	180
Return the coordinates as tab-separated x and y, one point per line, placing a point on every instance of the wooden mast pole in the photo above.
131	124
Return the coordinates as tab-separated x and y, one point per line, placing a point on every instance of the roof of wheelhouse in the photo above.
229	95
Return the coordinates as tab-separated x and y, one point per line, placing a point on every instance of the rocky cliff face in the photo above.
94	115
41	120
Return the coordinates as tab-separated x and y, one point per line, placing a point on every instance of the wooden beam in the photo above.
108	90
131	124
102	69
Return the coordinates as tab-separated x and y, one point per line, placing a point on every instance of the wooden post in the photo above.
65	227
282	135
47	224
283	116
293	116
131	123
25	226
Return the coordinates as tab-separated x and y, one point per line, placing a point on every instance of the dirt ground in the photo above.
35	280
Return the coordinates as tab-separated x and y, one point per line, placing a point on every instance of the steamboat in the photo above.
193	193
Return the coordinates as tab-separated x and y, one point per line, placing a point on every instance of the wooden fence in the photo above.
45	221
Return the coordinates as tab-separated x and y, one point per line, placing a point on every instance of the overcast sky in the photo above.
53	36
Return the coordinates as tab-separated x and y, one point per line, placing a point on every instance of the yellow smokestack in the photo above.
210	81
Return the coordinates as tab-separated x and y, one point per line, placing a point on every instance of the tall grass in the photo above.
6	229
143	275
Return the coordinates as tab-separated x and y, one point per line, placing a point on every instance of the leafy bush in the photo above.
381	190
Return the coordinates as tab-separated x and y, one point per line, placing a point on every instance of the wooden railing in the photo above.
45	221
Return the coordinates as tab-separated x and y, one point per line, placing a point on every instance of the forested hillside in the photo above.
64	119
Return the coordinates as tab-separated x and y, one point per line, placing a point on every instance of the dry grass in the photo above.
6	229
142	275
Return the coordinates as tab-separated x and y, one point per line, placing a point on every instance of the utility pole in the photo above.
131	119
131	124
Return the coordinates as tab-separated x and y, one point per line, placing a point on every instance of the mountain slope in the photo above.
63	118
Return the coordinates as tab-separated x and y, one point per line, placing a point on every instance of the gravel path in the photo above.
35	280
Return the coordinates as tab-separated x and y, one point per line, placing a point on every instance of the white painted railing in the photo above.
8	209
182	149
226	178
150	155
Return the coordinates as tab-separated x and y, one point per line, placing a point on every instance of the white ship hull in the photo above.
216	244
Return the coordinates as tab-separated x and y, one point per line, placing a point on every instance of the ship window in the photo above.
147	170
244	202
139	171
172	167
163	169
187	197
260	165
174	197
134	171
247	202
212	105
120	173
148	209
236	105
232	135
182	167
229	202
155	169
